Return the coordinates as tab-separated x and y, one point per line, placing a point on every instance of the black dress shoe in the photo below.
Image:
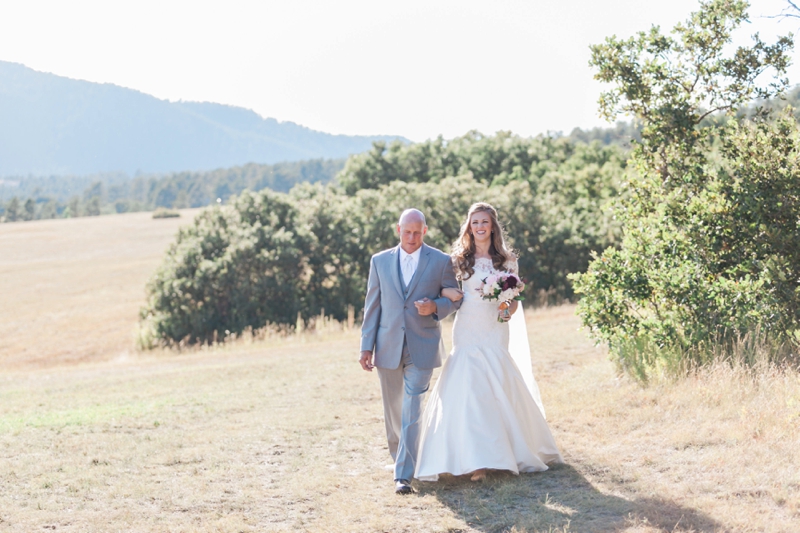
402	486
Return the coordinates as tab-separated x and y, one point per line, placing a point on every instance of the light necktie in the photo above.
408	269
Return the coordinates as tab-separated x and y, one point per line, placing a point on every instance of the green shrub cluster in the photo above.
711	218
162	212
266	257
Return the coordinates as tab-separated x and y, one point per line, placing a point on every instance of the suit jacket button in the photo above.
403	328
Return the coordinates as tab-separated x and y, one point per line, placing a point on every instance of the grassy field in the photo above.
286	434
71	289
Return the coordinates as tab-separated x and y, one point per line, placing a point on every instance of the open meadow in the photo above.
71	289
286	434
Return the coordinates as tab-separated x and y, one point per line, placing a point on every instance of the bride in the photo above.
485	411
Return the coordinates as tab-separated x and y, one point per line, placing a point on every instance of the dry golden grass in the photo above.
286	434
70	290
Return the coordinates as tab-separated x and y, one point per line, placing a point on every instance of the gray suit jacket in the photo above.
390	316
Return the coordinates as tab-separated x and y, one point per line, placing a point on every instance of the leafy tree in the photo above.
13	210
92	207
29	210
49	209
497	160
73	208
621	134
95	190
707	239
333	251
235	266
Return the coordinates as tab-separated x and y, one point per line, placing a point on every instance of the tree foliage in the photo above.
227	271
61	196
268	256
493	160
710	218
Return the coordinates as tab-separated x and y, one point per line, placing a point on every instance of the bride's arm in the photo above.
513	305
452	294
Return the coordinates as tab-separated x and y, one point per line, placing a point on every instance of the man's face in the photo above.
411	235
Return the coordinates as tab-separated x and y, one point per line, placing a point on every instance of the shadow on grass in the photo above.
560	499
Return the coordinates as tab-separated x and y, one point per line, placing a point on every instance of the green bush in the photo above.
268	256
162	212
236	266
711	249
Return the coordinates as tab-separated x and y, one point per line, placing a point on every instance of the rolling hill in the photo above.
55	125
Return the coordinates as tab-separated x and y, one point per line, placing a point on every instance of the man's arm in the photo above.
372	317
444	306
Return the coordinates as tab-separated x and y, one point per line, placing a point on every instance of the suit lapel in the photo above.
396	271
421	266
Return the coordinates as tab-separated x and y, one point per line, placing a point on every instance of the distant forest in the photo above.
34	198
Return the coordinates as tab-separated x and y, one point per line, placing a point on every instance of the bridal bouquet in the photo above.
502	287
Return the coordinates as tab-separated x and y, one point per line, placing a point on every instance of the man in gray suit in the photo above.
401	334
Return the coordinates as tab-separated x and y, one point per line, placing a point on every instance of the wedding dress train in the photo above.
485	410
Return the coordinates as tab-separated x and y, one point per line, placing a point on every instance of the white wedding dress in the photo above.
485	410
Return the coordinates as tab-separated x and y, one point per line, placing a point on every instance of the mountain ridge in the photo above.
51	124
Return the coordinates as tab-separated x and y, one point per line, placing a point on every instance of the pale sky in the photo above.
416	68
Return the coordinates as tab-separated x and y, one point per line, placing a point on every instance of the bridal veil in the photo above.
520	350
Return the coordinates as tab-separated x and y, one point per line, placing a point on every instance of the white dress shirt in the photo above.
408	264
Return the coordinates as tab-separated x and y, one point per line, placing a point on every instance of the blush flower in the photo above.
501	286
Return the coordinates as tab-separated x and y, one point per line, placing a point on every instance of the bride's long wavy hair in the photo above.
463	252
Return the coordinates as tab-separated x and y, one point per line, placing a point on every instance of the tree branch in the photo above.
783	14
711	111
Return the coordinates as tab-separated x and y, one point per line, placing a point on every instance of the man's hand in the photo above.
366	360
425	307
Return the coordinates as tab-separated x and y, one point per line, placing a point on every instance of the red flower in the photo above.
509	283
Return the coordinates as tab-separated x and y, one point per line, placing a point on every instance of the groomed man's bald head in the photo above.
411	216
412	229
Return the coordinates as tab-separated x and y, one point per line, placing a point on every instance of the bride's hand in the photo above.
506	309
452	294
